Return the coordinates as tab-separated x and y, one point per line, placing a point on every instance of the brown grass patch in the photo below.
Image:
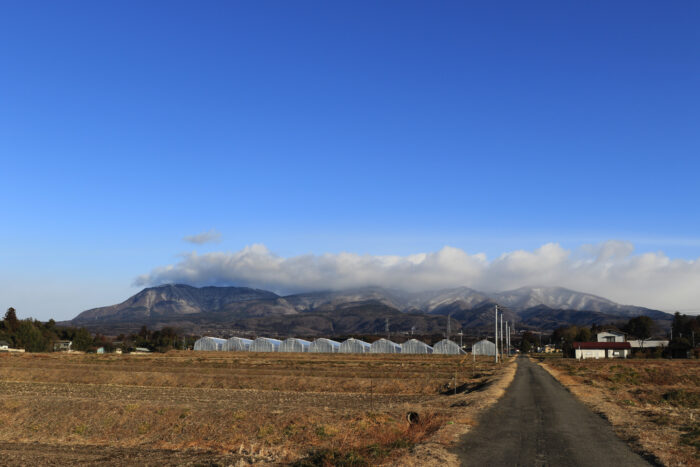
326	409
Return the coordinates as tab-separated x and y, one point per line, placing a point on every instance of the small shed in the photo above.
354	346
209	343
447	347
385	346
62	346
484	347
237	344
294	345
323	345
265	344
414	346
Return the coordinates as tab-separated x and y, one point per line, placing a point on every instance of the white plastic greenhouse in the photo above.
294	345
484	347
447	347
238	344
354	346
209	343
416	346
265	344
323	345
385	346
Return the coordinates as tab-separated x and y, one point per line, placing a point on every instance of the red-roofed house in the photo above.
602	349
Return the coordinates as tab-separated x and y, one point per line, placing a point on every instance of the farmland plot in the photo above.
191	407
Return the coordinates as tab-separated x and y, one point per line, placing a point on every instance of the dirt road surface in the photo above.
539	423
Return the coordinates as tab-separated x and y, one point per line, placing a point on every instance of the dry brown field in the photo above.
653	404
227	408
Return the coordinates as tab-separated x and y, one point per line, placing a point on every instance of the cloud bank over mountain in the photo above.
610	269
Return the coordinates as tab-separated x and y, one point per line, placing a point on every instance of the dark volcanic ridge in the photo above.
356	311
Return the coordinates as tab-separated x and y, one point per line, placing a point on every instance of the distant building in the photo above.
584	350
611	336
139	350
4	345
62	346
648	344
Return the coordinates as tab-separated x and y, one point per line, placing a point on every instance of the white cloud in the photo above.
610	269
205	237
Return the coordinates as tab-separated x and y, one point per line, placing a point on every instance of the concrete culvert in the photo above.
412	417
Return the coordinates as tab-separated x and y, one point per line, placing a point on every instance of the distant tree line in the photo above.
36	336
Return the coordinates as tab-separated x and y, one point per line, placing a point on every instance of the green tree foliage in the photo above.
82	340
11	321
686	334
35	336
640	327
527	342
30	338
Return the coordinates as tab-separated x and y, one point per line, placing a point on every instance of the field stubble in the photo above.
232	407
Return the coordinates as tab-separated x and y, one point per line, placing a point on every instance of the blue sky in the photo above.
377	128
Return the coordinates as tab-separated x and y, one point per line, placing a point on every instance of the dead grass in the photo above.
654	404
270	408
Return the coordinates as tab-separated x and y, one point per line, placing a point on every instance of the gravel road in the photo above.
539	423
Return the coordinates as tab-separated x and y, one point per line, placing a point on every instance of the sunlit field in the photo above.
311	409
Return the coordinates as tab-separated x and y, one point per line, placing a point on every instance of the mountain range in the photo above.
218	310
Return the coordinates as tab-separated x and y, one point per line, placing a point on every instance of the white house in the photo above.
597	350
611	336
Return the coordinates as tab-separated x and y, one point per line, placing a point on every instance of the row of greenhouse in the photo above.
323	345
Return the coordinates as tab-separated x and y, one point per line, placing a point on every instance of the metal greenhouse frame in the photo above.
209	343
447	347
323	345
265	344
385	346
414	346
294	345
238	344
484	347
354	346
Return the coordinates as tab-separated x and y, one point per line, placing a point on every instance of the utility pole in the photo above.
495	339
460	338
501	336
386	328
449	331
